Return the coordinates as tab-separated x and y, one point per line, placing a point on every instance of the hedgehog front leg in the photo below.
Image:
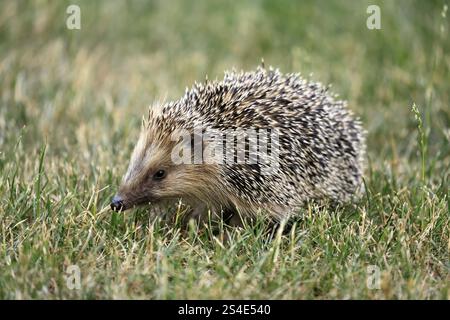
198	212
204	214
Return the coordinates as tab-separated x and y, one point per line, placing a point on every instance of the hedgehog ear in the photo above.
197	147
213	147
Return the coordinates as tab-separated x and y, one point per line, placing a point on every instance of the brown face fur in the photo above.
139	184
142	185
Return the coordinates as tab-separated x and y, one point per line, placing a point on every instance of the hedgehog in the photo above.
316	154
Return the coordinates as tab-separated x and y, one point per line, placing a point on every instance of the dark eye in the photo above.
160	174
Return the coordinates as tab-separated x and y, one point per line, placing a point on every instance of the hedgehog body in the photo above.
319	147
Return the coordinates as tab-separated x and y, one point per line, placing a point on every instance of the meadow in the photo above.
71	103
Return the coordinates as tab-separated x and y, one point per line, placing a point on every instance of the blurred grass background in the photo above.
82	93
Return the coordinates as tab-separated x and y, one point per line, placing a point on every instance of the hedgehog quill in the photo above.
310	141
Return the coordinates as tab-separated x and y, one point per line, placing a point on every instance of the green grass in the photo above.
70	109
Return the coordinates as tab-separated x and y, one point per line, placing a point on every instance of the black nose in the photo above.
116	203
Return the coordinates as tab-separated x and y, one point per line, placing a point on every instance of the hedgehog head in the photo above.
152	174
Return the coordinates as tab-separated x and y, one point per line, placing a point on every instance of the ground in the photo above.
71	102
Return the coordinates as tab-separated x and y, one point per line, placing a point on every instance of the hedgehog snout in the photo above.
117	203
